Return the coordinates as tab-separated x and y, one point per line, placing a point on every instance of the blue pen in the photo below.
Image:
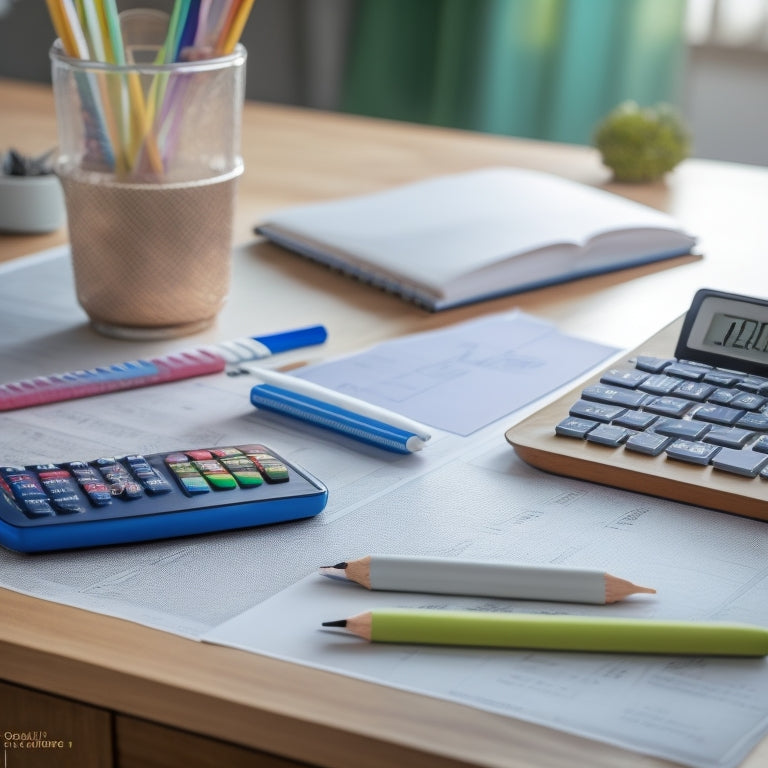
157	370
327	408
332	417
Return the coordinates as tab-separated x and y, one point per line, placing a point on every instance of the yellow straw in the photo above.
101	13
233	28
72	22
64	33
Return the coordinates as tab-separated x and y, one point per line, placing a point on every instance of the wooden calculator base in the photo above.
534	440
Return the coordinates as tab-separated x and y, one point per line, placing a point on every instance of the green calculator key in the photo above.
185	473
215	474
221	481
243	470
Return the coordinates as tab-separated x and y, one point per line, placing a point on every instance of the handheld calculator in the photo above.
115	500
689	425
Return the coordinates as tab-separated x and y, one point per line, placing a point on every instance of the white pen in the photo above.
448	576
312	402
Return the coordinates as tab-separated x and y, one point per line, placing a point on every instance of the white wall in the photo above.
726	103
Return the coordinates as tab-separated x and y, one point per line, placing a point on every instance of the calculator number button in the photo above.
723	396
729	437
118	479
747	463
755	384
669	406
607	434
273	470
695	390
660	384
722	378
615	396
91	482
648	443
756	421
6	494
216	475
243	470
596	411
620	377
748	401
692	452
575	427
190	480
688	370
62	490
689	430
652	364
718	414
638	420
149	478
27	492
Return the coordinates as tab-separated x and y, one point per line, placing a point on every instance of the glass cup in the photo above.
149	159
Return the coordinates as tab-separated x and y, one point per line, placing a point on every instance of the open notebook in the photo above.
465	237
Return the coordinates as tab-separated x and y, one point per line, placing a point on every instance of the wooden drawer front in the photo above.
44	731
141	744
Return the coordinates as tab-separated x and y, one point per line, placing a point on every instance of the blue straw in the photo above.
189	32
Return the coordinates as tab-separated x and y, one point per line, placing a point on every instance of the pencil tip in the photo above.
337	572
337	623
617	589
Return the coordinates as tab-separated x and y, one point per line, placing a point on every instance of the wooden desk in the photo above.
130	696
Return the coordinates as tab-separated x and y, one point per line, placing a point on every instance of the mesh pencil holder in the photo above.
149	158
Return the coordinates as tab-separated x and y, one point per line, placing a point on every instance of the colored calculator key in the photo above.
113	500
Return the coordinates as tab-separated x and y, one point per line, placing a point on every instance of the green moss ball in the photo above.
642	144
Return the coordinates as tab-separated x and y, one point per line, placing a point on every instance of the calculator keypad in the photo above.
73	487
134	498
685	410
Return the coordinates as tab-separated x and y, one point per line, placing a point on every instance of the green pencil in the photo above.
562	633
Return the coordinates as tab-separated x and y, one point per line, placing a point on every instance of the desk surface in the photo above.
294	156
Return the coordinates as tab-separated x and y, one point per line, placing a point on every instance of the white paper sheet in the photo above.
169	584
706	712
462	378
468	497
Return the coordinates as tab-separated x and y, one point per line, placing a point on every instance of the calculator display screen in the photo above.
745	334
726	330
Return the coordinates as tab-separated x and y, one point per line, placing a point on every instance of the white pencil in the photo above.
447	576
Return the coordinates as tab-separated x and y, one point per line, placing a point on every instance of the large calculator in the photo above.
119	499
684	417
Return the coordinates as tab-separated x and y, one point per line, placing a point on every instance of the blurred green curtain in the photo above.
546	69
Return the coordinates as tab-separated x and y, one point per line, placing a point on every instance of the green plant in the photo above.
642	144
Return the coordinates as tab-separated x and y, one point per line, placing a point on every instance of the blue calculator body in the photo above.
115	500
